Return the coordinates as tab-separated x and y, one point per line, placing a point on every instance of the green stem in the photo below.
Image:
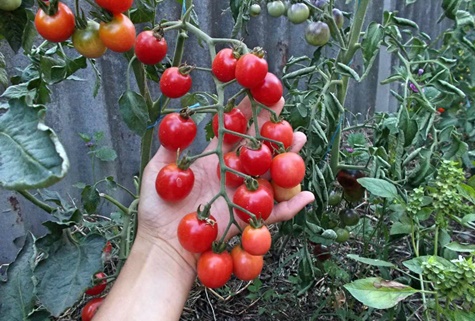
114	201
36	201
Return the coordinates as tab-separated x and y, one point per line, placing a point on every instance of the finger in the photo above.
284	211
298	141
161	157
264	115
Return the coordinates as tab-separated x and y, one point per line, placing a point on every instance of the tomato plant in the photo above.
100	287
118	34
150	47
175	82
317	33
255	161
246	267
280	131
214	269
276	8
234	162
256	241
176	131
224	65
115	6
90	309
235	121
57	25
287	169
258	201
298	13
87	41
269	92
173	184
251	70
196	235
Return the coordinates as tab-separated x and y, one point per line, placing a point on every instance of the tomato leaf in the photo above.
371	43
90	198
378	293
379	187
32	155
18	297
133	109
457	247
373	262
12	24
3	71
144	11
105	154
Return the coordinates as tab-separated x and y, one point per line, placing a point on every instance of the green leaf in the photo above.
209	131
32	155
134	112
467	219
467	192
90	198
444	85
400	228
373	262
347	71
464	18
12	24
66	271
457	247
378	293
144	11
371	43
405	22
105	154
378	187
450	8
18	293
3	71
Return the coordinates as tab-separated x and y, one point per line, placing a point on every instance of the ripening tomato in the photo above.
246	267
87	41
298	13
118	34
255	161
58	27
224	65
174	184
176	131
150	48
251	70
256	241
99	287
284	194
259	202
349	217
175	83
269	91
233	120
281	131
317	33
287	169
231	159
196	235
115	6
214	269
90	309
338	17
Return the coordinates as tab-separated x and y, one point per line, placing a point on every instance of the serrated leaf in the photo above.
144	11
90	198
368	261
378	293
12	24
209	131
134	112
378	187
32	155
371	43
105	154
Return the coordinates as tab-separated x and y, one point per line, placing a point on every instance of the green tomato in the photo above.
338	17
349	217
334	199
276	8
317	33
298	13
255	10
9	5
342	235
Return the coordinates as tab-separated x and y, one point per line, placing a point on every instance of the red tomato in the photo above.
256	241
287	169
281	131
255	162
246	267
108	248
100	287
195	235
58	27
150	49
269	91
174	184
119	34
251	70
87	42
115	6
266	184
175	84
284	194
224	65
214	269
90	309
176	132
232	161
233	120
441	110
259	202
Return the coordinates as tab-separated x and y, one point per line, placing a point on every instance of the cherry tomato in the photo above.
256	241
58	27
246	267
349	217
255	10
298	13
275	8
150	49
441	110
174	184
338	17
87	41
255	161
281	132
119	34
287	169
90	309
107	248
342	235
334	199
100	287
251	70
266	184
321	3
317	33
224	65
284	194
176	132
9	5
115	6
348	179
268	92
174	83
233	120
259	202
214	269
195	235
232	160
321	252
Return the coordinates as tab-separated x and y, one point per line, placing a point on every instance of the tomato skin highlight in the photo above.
58	27
233	120
174	184
149	49
195	235
256	241
174	84
87	41
90	309
115	6
251	70
224	65
119	34
232	161
255	162
259	202
281	131
287	169
100	287
214	269
246	267
269	91
176	132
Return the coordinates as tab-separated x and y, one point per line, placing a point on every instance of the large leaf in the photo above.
32	155
66	272
378	293
372	43
378	187
17	294
133	109
12	24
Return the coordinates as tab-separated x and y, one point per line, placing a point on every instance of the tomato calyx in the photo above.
219	247
251	184
186	112
49	7
81	21
185	69
204	214
158	32
259	52
184	163
230	105
256	223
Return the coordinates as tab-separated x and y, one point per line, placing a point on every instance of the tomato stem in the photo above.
45	207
